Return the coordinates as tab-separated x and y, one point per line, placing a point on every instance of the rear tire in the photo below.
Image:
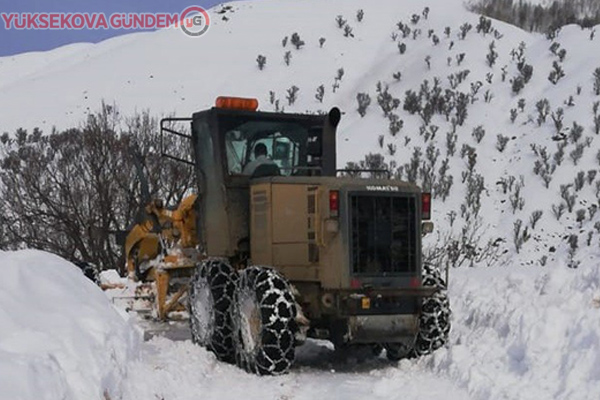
264	316
434	321
211	298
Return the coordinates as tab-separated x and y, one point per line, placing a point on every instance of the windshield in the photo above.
285	145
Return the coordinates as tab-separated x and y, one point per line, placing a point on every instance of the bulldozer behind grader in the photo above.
294	249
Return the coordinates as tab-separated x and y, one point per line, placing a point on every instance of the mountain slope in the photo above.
168	72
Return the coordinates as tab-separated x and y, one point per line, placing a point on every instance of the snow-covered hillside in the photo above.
168	72
515	184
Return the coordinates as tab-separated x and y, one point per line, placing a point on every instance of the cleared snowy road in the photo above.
518	333
179	370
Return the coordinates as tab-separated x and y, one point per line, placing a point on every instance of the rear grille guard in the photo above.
383	234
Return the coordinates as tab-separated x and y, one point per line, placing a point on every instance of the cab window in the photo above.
285	143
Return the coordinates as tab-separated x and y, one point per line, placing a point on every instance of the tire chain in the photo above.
434	321
275	353
220	278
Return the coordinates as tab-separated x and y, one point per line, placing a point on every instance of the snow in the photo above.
524	334
518	333
525	328
111	277
60	338
180	370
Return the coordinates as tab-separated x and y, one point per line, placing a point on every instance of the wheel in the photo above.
264	317
434	321
432	277
211	298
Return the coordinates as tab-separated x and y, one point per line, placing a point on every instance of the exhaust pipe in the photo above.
329	141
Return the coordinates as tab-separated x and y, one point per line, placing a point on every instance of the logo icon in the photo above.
194	21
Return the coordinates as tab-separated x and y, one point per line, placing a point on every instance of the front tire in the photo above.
264	316
211	298
434	321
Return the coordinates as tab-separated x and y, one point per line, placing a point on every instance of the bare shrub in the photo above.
261	61
501	142
478	133
296	41
292	94
517	201
567	196
320	93
364	101
558	210
535	217
78	187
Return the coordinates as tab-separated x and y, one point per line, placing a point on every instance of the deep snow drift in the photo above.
523	333
60	338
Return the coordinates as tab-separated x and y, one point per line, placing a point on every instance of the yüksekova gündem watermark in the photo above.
193	21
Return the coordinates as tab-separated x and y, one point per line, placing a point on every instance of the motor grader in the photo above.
297	249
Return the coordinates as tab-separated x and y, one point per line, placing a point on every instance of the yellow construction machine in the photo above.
161	249
286	246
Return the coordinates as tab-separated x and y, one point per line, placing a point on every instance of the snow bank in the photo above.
523	333
60	338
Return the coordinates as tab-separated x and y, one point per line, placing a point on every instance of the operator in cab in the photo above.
261	163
